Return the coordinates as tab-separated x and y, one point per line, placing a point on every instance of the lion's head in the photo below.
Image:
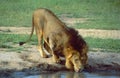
79	48
74	60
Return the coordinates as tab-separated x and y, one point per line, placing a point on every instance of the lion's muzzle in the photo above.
79	69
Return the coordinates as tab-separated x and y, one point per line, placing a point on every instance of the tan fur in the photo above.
59	40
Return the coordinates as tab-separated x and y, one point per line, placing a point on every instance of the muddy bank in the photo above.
32	63
103	61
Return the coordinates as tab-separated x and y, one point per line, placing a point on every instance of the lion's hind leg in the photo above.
40	42
42	53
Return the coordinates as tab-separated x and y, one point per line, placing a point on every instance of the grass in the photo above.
113	24
111	45
102	14
8	40
11	41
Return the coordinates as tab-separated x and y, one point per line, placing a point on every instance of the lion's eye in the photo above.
76	59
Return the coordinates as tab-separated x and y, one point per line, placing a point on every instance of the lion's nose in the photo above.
80	69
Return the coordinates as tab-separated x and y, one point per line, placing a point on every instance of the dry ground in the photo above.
31	58
97	33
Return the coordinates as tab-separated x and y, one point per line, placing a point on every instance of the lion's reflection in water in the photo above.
60	75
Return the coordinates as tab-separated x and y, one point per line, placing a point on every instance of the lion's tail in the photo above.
21	43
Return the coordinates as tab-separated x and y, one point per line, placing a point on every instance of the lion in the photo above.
59	40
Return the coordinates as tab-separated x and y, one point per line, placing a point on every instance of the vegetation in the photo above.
9	40
102	14
111	45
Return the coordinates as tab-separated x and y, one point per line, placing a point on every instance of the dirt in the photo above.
96	33
72	21
30	62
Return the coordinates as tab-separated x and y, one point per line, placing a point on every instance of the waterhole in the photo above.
66	74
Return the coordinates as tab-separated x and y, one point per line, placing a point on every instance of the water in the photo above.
77	75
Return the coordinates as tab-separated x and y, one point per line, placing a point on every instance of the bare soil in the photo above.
30	62
96	33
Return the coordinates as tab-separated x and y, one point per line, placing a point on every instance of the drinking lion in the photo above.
58	40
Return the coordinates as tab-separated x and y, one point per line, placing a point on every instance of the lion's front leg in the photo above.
55	58
69	65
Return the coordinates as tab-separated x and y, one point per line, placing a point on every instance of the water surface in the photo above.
66	74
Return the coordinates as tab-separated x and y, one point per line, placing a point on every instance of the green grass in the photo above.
9	40
108	24
112	45
102	14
